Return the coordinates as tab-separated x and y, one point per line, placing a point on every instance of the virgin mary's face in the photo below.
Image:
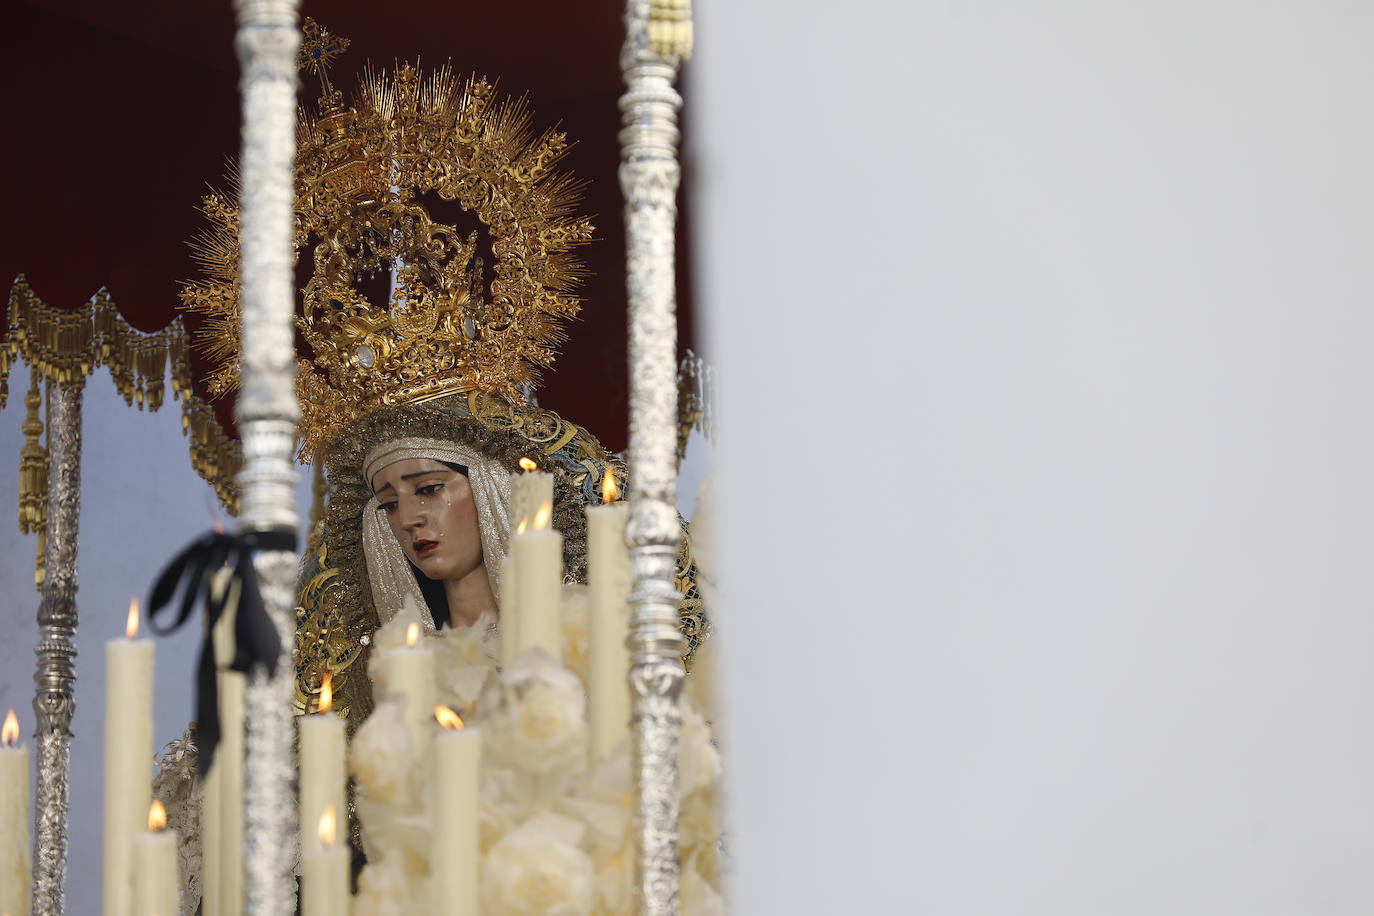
431	511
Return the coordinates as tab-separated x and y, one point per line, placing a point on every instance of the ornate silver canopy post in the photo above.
268	41
55	677
658	36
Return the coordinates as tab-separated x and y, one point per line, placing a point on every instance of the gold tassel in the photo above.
64	347
33	478
695	402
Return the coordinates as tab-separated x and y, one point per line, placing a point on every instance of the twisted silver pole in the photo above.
649	176
268	41
55	677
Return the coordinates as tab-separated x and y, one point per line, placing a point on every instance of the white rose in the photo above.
614	880
537	870
464	656
576	614
601	798
535	715
698	829
698	759
699	898
384	889
380	755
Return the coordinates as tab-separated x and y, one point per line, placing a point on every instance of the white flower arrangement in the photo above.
381	758
539	869
555	834
534	717
466	657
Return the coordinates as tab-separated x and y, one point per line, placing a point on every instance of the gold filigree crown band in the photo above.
476	309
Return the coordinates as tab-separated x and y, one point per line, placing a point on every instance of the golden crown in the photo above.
368	177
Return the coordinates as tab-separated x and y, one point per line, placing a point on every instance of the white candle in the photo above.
128	758
409	673
323	776
510	640
15	891
529	490
229	761
155	886
214	826
458	767
608	657
324	872
538	555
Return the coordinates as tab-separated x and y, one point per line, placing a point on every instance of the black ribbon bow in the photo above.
255	637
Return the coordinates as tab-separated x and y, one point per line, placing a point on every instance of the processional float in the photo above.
56	346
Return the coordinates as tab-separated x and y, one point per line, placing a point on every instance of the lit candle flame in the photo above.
541	518
327	692
157	816
520	528
609	491
131	625
527	464
447	717
412	635
327	831
10	733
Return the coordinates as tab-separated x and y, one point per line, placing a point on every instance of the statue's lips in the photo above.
424	548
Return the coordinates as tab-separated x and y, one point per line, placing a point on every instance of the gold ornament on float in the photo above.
368	176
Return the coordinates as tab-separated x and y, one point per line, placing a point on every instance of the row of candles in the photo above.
152	855
531	597
140	856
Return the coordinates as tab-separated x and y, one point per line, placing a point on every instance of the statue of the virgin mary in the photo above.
420	510
417	406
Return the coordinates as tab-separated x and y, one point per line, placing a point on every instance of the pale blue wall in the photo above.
141	502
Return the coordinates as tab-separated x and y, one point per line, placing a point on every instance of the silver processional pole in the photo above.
268	42
53	702
658	36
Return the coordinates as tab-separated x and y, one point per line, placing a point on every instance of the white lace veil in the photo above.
388	570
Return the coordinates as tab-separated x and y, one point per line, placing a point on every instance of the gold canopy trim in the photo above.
64	346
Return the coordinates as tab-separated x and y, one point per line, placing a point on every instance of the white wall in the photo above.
1047	333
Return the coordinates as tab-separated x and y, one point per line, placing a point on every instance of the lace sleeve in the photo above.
179	789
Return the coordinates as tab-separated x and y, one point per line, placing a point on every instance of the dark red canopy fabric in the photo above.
119	115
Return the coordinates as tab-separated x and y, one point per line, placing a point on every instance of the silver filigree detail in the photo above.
55	675
649	176
268	41
50	825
